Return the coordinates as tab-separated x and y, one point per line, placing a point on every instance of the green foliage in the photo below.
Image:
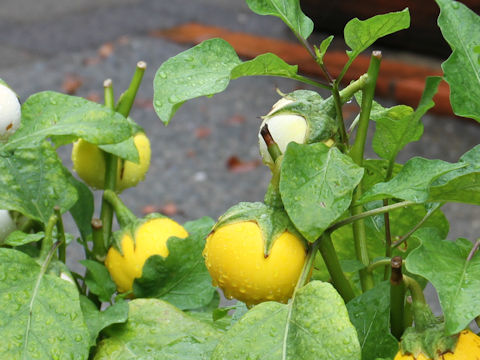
359	35
33	181
312	191
182	277
370	314
156	329
287	10
18	238
46	325
98	280
275	331
65	118
459	27
454	274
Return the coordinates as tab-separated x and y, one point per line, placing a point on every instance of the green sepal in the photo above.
272	196
130	229
317	112
432	342
271	220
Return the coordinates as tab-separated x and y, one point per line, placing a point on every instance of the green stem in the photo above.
422	314
339	115
272	146
307	267
365	214
416	227
99	249
111	168
357	154
128	97
357	85
62	249
48	239
386	220
397	298
379	263
124	215
329	255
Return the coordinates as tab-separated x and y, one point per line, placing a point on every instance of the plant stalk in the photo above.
397	298
62	249
47	242
124	215
99	249
357	154
329	255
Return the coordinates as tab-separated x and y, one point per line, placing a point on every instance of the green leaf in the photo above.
203	70
320	52
157	330
316	185
412	182
18	238
41	316
359	35
83	209
399	125
125	149
460	27
456	278
65	118
287	10
33	181
314	326
370	314
182	277
98	320
98	280
462	185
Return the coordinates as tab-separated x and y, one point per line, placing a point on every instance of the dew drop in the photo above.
455	5
162	74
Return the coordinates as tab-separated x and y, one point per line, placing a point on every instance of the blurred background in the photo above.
207	159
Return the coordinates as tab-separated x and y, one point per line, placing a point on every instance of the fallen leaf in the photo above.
202	132
169	209
94	96
148	209
236	119
71	83
235	165
144	103
106	50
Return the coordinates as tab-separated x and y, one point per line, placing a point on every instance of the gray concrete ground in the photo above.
42	41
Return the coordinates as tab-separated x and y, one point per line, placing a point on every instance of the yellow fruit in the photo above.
150	239
89	163
234	255
467	348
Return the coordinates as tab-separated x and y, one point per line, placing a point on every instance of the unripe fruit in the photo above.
10	112
284	129
467	347
149	238
89	163
234	256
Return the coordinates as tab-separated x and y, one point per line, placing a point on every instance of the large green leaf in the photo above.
462	185
461	28
287	10
65	118
370	314
315	325
412	182
97	320
399	125
33	181
157	330
359	35
83	209
98	280
316	185
41	316
182	277
454	274
200	71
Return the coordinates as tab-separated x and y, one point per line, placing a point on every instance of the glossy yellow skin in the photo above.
150	239
89	163
467	348
234	255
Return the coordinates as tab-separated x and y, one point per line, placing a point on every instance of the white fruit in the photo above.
284	129
7	225
10	113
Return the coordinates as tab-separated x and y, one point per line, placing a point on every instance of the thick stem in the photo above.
62	249
128	97
397	298
272	146
48	239
111	168
99	249
124	215
307	267
357	85
339	115
388	238
357	153
339	280
422	314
